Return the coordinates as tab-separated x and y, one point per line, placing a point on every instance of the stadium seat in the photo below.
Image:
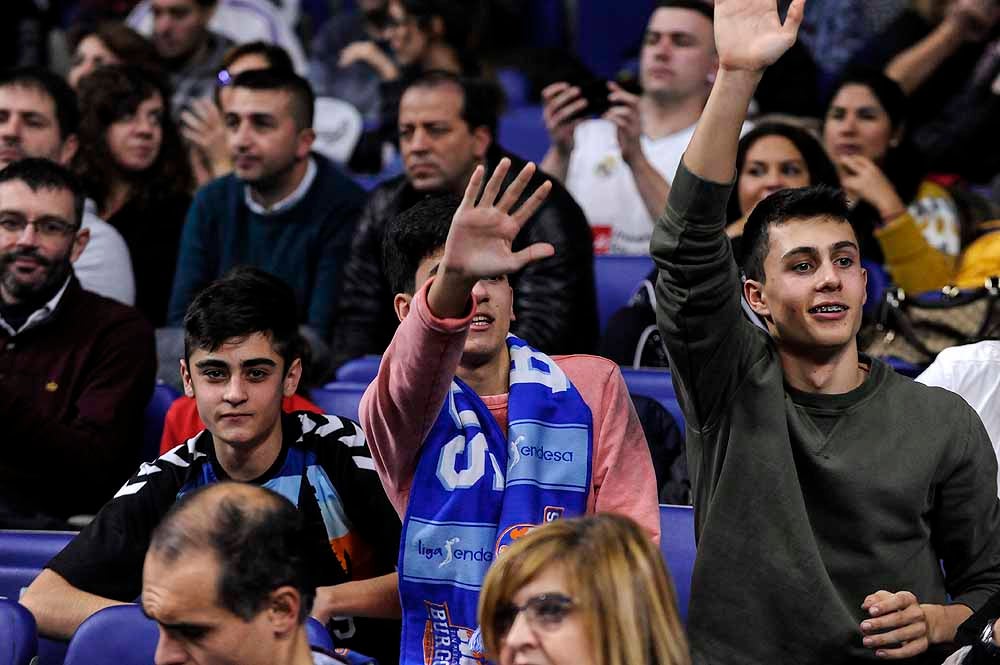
23	554
152	421
359	370
18	634
616	278
678	548
339	399
522	132
878	282
657	384
119	635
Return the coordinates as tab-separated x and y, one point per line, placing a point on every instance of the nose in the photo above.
11	129
168	652
145	126
520	634
28	237
239	137
419	140
480	292
236	392
829	277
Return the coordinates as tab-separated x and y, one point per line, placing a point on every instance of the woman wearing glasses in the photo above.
585	591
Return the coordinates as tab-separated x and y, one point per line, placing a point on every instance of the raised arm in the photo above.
697	292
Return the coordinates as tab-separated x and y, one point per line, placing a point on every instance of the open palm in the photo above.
479	241
749	34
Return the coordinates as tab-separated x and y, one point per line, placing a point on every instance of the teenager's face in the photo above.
815	286
772	163
857	124
134	139
239	387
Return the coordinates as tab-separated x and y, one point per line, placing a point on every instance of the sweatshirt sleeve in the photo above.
698	307
914	264
401	405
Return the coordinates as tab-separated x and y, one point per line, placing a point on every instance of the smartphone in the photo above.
596	92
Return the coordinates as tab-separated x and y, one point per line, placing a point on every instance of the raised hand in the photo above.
561	104
479	241
749	34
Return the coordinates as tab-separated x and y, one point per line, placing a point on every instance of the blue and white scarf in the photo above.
475	492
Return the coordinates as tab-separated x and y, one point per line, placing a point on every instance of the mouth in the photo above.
244	162
481	322
829	311
234	416
10	155
847	149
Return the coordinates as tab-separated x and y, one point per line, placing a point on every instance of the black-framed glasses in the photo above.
46	228
543	612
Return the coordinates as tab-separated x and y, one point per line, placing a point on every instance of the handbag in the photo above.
917	328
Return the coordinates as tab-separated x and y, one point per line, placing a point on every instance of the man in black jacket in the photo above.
447	127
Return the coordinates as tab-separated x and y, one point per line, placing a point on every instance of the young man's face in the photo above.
35	258
29	127
182	597
678	57
494	312
179	26
239	387
815	286
439	149
264	140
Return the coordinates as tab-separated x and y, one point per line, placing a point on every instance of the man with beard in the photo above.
284	209
76	369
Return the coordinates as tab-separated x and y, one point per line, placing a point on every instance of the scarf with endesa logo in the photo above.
475	492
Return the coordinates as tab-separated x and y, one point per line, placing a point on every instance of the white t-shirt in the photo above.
972	371
602	183
105	266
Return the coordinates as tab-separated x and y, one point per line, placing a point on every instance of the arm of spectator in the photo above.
899	626
914	264
965	21
195	261
377	597
369	53
84	455
697	290
624	480
59	607
624	113
202	125
561	102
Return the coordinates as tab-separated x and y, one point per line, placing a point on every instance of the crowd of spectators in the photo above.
238	211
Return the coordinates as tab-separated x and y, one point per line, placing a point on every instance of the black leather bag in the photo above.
917	328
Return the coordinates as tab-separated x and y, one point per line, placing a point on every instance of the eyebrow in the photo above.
173	626
42	218
843	244
219	364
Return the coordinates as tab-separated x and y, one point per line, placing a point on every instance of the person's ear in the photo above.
292	378
864	277
401	303
68	149
304	142
753	291
482	139
512	317
436	27
79	244
186	378
283	611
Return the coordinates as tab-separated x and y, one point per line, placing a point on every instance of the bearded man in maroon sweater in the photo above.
76	369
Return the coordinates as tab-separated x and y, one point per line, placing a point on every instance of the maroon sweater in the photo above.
72	395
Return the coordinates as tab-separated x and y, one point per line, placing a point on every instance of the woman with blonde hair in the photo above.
583	591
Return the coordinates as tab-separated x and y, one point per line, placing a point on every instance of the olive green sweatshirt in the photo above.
797	526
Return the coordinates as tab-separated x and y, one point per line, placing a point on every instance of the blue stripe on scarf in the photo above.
475	492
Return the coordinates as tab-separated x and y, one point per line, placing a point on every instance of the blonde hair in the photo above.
620	584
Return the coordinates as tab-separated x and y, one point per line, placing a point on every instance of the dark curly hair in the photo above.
106	96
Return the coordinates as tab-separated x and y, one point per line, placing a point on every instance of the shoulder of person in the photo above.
583	367
325	429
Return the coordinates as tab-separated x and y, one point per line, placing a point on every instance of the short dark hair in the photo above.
412	236
246	300
303	99
38	173
700	6
821	169
257	536
481	99
276	56
130	46
63	97
783	206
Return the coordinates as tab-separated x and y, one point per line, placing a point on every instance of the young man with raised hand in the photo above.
844	513
476	435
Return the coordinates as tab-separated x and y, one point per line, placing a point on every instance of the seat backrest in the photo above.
23	554
339	399
656	384
616	278
153	418
359	370
678	548
18	634
522	132
119	635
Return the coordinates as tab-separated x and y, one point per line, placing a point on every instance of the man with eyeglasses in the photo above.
76	369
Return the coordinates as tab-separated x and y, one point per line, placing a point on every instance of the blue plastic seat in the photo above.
610	33
359	370
339	399
522	132
878	282
656	384
119	635
23	554
152	421
678	548
18	634
616	278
